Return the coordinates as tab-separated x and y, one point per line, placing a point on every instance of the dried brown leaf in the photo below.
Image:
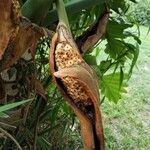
6	25
90	37
25	40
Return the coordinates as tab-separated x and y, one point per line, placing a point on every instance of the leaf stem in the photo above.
62	15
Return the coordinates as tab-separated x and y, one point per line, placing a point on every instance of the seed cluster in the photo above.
66	56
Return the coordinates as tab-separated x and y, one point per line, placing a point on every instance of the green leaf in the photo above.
115	29
90	59
105	65
116	4
127	33
115	48
12	105
111	86
35	10
136	54
54	113
3	115
43	143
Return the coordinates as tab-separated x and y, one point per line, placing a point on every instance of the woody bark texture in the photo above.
78	84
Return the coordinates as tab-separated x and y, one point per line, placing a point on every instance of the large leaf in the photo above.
115	28
115	48
111	86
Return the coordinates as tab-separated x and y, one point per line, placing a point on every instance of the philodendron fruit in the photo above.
78	84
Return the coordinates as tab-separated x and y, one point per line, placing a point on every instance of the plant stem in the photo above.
62	15
11	137
72	7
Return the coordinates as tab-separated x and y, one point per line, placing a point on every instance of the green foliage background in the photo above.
113	59
141	12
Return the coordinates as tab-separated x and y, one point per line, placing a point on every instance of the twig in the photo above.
7	125
11	137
